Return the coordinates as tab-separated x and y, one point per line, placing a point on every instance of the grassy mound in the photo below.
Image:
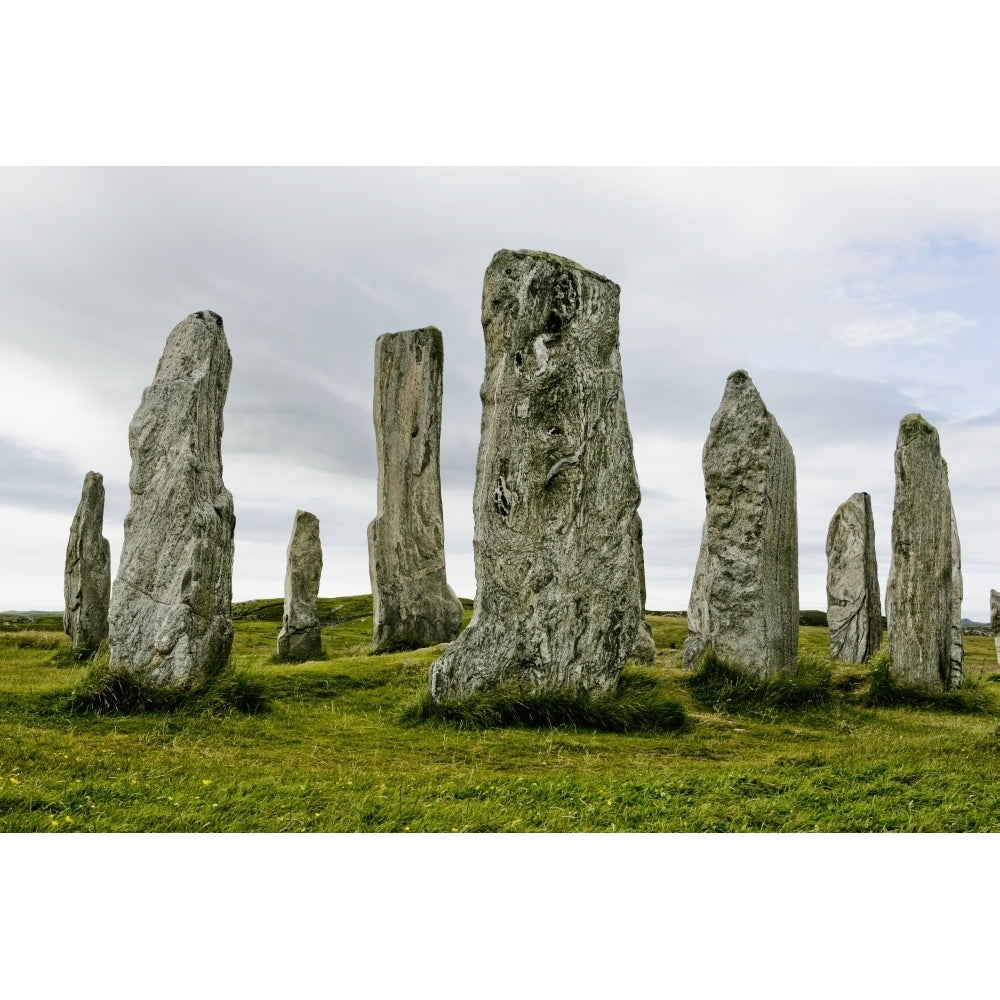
636	707
723	687
103	691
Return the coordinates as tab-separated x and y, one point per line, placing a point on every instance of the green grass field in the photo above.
330	750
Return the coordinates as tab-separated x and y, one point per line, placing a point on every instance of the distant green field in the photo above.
329	751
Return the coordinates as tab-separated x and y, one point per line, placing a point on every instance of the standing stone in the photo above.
995	619
413	606
745	597
299	638
87	582
957	592
644	648
171	607
921	597
557	600
854	608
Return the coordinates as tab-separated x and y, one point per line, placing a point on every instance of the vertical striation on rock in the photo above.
413	606
957	651
87	580
299	638
745	596
644	648
171	606
854	608
557	600
995	619
921	596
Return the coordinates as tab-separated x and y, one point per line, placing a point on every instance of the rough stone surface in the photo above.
745	595
299	638
957	656
557	600
995	619
921	596
644	647
171	606
854	608
87	582
413	606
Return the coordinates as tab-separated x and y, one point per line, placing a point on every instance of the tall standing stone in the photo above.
299	638
171	606
995	619
854	608
957	592
745	596
921	597
557	599
644	648
413	606
87	581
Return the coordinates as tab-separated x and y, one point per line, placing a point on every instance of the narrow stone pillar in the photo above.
921	601
87	581
854	607
745	595
413	606
557	599
995	619
644	648
299	638
171	605
957	592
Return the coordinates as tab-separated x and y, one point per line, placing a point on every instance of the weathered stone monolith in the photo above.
644	648
413	606
745	596
995	619
854	607
921	596
557	600
171	606
299	638
87	582
957	592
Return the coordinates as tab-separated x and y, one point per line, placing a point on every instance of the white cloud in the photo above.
911	327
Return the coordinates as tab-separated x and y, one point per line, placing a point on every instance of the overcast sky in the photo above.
851	296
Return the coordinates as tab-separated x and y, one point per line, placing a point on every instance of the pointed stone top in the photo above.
192	345
912	426
740	388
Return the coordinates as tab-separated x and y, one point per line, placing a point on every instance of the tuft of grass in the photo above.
636	707
103	691
885	691
723	687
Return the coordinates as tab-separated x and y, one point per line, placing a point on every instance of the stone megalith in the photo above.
171	606
921	596
745	596
299	638
412	604
854	607
87	581
644	648
995	619
957	592
557	598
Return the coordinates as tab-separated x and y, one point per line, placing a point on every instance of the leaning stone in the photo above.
87	581
299	638
745	597
854	607
644	647
557	600
920	600
995	619
413	606
171	606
